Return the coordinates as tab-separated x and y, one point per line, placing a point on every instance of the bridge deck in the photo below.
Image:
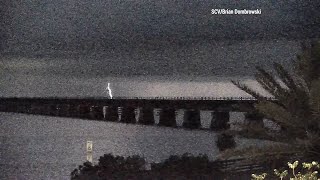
203	103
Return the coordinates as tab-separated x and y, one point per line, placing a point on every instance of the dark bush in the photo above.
133	168
110	167
85	171
225	141
185	164
111	164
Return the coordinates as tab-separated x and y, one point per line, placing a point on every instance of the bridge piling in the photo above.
84	111
58	110
112	114
96	112
51	109
128	115
73	110
47	109
167	117
91	113
220	120
191	119
67	110
146	116
63	110
104	112
254	119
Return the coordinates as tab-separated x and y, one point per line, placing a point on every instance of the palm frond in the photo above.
248	90
296	109
276	92
268	82
274	112
285	77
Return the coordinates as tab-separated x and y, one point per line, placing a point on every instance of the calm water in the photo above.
40	147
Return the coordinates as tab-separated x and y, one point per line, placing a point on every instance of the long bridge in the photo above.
106	109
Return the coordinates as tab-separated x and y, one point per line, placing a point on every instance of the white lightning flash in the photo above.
109	90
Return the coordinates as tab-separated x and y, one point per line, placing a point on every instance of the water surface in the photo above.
40	147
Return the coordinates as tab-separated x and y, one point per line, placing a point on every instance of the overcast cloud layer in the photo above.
67	42
34	25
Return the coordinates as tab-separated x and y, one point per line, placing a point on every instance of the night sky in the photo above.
49	46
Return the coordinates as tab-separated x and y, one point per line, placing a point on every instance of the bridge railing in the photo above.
191	98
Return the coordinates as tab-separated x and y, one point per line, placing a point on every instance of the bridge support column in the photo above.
3	107
84	111
63	110
191	119
58	110
33	109
112	113
254	119
20	109
128	115
146	116
28	108
167	117
11	107
67	110
95	112
104	112
52	109
220	121
91	113
40	109
99	111
47	109
23	108
36	108
73	110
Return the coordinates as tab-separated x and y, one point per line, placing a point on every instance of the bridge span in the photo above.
105	109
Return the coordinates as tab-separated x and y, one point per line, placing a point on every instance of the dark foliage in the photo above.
225	141
184	164
110	167
296	108
175	167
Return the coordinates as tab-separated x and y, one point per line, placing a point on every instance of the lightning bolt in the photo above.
109	90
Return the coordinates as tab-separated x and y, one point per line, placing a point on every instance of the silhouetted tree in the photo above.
296	108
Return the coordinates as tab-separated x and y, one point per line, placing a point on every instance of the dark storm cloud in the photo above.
73	47
68	24
98	38
202	59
